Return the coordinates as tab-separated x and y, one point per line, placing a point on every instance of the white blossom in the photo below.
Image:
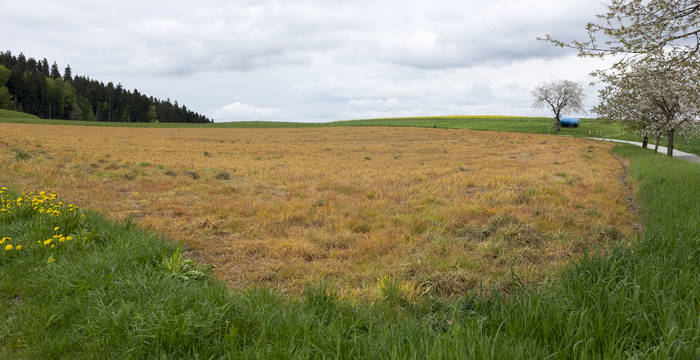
561	97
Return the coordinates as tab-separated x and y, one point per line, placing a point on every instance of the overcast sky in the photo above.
316	60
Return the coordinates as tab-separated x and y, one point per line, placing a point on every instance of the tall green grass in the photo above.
125	293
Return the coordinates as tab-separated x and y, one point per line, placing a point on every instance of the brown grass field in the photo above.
442	211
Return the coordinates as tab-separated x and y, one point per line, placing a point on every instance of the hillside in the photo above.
15	116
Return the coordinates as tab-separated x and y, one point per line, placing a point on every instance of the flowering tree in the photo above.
653	87
654	99
624	100
561	97
635	28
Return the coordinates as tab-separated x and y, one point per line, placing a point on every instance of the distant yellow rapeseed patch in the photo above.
441	211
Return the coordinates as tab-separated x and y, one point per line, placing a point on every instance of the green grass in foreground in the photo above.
537	125
124	293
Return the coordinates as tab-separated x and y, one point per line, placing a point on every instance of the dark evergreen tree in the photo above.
45	67
67	76
54	71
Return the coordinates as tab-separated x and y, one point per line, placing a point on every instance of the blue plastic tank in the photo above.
570	122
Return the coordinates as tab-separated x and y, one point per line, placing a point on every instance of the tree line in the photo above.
35	87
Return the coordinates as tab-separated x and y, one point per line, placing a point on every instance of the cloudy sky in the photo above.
315	60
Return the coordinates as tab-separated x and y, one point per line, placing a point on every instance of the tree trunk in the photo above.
645	142
656	148
557	125
670	142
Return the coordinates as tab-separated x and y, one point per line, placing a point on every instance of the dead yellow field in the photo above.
443	211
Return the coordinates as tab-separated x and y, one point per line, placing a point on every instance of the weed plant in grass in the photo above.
123	294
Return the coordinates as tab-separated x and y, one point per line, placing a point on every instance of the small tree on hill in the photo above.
152	114
561	97
4	75
6	101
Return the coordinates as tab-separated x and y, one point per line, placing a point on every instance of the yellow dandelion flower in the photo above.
19	247
8	247
46	242
69	238
53	246
56	228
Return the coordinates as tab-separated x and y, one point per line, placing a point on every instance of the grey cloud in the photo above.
314	60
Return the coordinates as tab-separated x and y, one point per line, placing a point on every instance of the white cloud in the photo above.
312	60
239	111
374	103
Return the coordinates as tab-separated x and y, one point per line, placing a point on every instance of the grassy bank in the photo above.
114	291
535	125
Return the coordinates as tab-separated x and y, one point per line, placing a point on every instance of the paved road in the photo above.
662	149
